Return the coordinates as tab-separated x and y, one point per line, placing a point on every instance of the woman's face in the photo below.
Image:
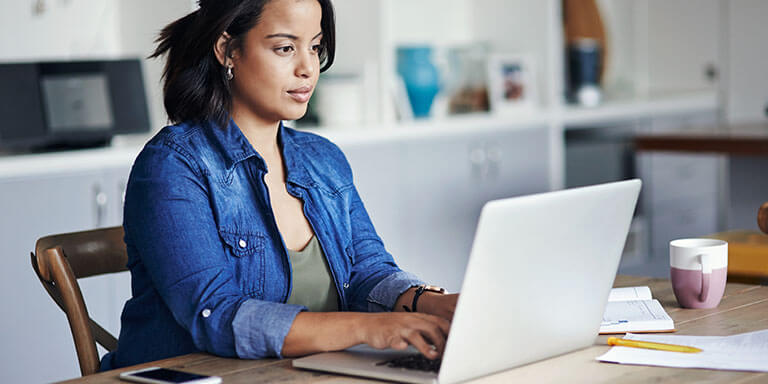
277	67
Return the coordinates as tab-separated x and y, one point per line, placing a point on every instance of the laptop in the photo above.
536	286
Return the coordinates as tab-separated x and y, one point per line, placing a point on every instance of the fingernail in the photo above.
433	353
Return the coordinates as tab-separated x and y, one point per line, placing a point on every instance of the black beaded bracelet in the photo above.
416	295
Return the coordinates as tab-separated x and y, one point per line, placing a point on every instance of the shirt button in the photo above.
206	312
242	243
346	285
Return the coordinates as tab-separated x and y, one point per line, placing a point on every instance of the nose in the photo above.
305	66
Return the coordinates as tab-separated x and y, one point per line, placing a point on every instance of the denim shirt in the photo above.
209	268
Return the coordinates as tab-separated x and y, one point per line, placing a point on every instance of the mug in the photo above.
698	269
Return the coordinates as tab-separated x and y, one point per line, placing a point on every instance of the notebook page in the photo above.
637	310
635	316
742	352
630	293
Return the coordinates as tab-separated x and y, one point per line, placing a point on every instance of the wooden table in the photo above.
744	149
744	308
745	140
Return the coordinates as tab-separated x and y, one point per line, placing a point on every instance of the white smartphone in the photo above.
157	375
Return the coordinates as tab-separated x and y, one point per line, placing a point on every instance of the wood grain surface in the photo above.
744	308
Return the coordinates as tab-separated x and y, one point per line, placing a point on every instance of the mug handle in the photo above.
706	274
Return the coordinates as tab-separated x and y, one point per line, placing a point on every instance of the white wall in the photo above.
518	26
447	22
140	23
65	29
620	22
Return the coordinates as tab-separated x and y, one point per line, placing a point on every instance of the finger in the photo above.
417	340
443	324
434	336
399	344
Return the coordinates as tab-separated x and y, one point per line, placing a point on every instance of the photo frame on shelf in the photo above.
512	83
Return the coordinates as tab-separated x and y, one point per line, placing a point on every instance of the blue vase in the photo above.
420	75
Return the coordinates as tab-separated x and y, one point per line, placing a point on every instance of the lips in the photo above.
301	94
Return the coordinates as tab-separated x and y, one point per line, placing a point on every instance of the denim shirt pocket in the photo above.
246	251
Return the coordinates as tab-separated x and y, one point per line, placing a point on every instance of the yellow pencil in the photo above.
650	345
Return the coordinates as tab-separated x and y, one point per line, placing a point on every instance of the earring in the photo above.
230	75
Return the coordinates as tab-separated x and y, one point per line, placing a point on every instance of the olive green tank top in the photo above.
313	285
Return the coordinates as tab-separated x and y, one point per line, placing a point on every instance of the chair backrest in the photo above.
762	217
59	260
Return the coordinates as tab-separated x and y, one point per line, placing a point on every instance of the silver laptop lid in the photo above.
538	277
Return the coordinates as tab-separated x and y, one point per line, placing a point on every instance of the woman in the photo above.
247	238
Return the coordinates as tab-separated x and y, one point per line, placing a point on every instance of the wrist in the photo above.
427	302
404	300
419	292
359	322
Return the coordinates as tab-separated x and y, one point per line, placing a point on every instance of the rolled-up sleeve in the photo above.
260	327
169	220
384	295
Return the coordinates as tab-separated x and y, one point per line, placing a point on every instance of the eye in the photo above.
317	48
284	50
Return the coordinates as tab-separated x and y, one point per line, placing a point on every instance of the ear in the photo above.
220	49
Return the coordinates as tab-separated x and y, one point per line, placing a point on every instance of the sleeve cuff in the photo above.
384	295
260	328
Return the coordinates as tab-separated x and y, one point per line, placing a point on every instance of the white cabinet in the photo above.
746	90
681	195
682	44
32	326
424	195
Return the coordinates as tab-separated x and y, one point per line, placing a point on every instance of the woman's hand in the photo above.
438	304
399	329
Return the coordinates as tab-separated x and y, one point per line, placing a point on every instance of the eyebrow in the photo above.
289	36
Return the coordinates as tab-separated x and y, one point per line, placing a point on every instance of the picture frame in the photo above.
512	84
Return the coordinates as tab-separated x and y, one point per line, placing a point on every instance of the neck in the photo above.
261	133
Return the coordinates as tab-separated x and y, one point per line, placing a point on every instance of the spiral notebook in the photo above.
633	309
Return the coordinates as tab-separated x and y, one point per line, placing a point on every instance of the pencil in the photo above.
650	345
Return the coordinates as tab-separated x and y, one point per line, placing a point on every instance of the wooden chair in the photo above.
59	260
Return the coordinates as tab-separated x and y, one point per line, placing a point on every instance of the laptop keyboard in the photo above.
416	361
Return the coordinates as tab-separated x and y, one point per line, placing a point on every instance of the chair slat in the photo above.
58	261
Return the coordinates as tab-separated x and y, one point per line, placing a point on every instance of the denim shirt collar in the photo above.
236	148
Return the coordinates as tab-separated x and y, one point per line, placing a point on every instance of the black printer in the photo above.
70	104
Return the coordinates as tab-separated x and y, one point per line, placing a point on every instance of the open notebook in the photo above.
632	309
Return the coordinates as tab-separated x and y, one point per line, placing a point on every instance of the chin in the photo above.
295	115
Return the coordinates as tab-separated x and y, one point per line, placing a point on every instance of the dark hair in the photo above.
195	88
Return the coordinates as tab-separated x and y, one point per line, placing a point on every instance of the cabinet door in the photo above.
681	196
115	181
34	329
683	39
425	194
118	284
746	78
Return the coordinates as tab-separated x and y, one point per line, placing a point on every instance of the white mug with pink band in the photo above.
698	270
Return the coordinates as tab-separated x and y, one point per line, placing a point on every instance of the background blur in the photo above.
440	106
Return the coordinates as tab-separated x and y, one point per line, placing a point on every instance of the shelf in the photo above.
612	112
121	153
619	111
453	125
